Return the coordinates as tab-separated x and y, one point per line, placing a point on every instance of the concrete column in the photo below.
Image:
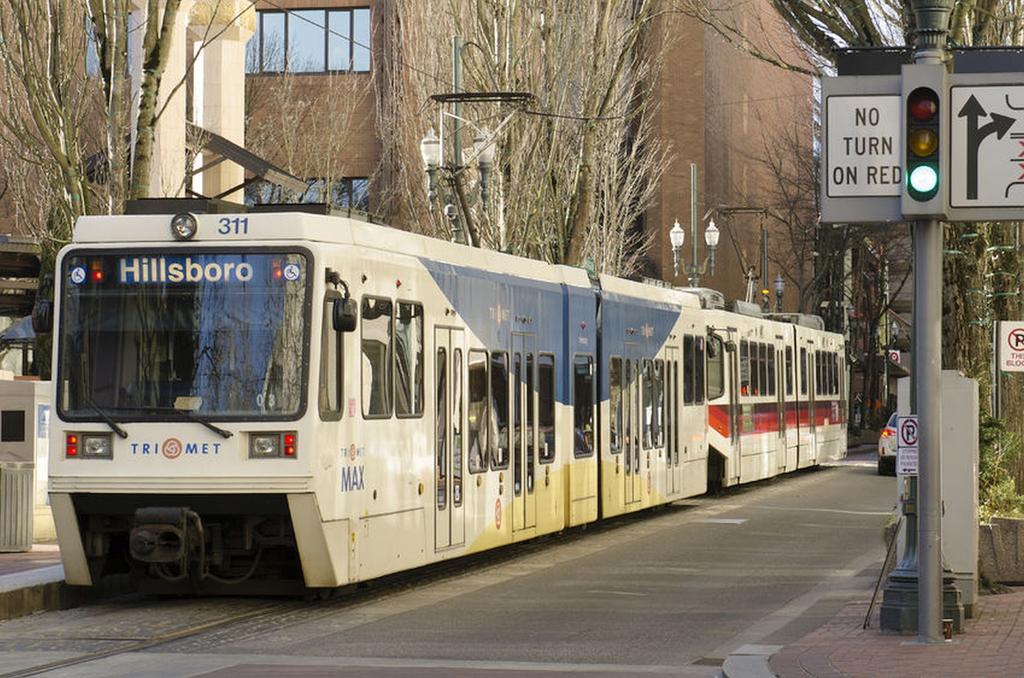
167	174
224	105
221	83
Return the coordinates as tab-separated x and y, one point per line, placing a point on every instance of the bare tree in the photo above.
307	130
575	169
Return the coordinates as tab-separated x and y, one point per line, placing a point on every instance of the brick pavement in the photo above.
993	645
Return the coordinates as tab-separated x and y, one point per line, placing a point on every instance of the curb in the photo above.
44	589
749	661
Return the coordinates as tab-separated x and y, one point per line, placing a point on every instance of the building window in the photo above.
311	41
350	192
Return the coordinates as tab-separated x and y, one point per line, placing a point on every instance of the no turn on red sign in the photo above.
1011	346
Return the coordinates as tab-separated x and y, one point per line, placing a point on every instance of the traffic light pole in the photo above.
928	397
932	18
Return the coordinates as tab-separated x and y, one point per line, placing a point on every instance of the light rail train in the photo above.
263	401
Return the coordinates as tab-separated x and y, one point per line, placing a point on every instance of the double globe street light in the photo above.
677	236
432	155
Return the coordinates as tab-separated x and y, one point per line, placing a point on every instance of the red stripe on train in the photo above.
763	417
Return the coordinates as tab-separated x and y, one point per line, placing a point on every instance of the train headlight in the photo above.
184	226
97	446
272	445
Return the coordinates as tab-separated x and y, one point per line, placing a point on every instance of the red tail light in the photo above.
71	447
289	444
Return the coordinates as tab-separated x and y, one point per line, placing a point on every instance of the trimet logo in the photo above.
159	270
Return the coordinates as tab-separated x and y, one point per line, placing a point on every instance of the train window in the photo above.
477	422
688	370
753	370
377	324
517	423
531	420
330	363
835	368
716	369
698	370
457	417
635	412
819	380
615	404
771	370
628	409
498	411
441	430
803	371
647	404
546	399
583	406
764	386
409	359
669	403
673	411
658	415
744	368
789	370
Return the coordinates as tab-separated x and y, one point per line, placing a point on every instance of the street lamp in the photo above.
677	235
483	144
780	287
430	152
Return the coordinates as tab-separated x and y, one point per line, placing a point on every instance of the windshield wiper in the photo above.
192	416
184	414
107	419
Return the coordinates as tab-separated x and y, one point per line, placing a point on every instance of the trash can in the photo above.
16	505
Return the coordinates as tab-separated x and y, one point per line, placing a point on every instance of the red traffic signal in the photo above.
923	104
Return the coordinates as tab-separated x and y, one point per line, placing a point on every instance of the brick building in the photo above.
719	106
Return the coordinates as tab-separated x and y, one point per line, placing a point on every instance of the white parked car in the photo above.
887	448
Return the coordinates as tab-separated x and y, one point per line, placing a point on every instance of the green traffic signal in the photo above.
922	181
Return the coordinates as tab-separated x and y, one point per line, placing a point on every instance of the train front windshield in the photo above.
220	334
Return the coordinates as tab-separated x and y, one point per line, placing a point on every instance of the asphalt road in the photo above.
670	592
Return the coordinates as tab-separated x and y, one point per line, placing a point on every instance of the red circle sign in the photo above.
1015	339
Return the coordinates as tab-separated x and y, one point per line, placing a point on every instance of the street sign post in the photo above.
906	445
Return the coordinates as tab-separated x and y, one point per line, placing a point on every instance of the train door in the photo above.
633	426
524	432
673	483
449	425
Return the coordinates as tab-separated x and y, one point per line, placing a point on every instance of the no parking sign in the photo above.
906	445
1011	346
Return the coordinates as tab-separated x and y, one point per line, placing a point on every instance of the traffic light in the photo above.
925	128
923	144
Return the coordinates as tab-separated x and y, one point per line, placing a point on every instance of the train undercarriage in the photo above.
220	544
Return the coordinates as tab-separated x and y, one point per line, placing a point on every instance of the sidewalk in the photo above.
31	581
993	645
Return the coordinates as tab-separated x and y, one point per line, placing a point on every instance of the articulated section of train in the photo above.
270	401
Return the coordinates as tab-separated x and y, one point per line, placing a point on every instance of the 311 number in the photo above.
233	225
